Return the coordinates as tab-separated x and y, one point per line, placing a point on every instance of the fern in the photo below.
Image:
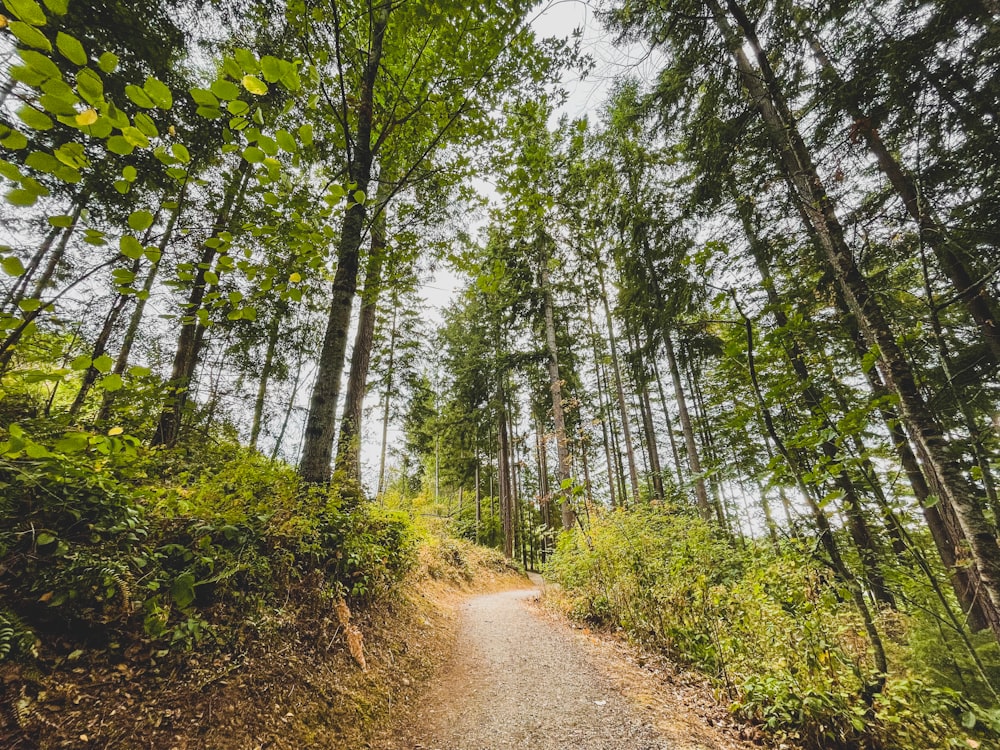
16	639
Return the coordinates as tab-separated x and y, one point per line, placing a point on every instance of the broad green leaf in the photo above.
130	173
72	155
118	145
14	141
71	48
42	162
104	363
306	134
40	63
123	276
272	68
29	305
238	107
225	90
254	85
81	363
10	171
108	62
359	196
181	152
72	442
137	371
61	221
146	125
112	382
90	85
130	247
27	10
21	197
140	220
139	96
58	105
59	7
159	93
136	137
204	97
286	141
33	118
12	266
30	36
182	590
44	538
253	155
246	58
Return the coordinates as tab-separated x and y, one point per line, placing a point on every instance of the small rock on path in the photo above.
519	681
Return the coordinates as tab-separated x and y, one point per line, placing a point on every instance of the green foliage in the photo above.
100	541
772	629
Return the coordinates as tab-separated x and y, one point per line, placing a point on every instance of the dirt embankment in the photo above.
292	683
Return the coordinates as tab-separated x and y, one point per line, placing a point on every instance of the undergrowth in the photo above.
106	546
772	628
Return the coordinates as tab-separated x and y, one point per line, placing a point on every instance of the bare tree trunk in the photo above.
920	421
186	354
694	462
348	459
265	372
385	420
975	294
321	424
666	418
555	385
633	475
604	410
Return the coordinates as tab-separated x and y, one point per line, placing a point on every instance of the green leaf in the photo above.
130	247
12	266
108	62
146	125
254	85
272	68
136	137
34	119
44	538
30	36
285	141
89	85
204	97
71	48
112	382
226	89
182	590
358	196
137	371
253	155
59	7
139	96
62	221
104	363
81	363
27	10
41	64
306	134
20	197
14	141
159	93
72	155
118	145
130	173
140	220
180	151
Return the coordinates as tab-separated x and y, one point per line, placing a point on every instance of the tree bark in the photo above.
321	424
921	423
694	462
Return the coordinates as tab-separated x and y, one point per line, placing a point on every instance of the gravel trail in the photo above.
517	680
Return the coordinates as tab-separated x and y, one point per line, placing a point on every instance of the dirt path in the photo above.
517	680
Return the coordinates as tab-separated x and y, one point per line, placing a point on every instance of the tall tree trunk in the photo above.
920	421
633	474
57	255
186	354
276	450
348	459
555	386
390	373
952	258
273	330
646	411
503	463
604	404
694	462
675	454
321	424
857	524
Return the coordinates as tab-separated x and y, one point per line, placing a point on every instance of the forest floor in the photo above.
520	675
